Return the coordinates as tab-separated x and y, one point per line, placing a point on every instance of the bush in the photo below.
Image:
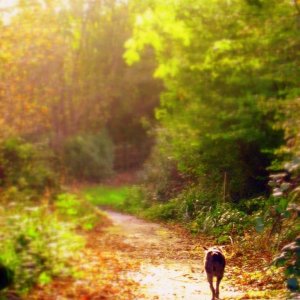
26	168
164	212
161	177
73	209
36	245
290	259
16	155
135	201
194	199
221	221
89	157
252	205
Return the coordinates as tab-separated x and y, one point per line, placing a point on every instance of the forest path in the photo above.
126	258
170	266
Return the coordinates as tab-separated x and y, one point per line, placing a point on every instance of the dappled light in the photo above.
135	134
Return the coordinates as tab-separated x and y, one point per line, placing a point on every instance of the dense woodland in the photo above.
203	94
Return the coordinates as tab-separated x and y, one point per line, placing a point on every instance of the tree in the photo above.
62	72
224	65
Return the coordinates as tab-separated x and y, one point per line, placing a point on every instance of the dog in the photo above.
214	265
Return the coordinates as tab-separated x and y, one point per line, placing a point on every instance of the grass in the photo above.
129	199
105	196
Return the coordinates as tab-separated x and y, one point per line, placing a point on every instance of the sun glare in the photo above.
6	11
7	3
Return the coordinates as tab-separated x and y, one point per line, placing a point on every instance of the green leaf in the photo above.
44	278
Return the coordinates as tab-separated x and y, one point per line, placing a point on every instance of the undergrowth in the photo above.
41	242
105	196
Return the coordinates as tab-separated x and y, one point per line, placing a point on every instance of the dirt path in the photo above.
170	267
126	258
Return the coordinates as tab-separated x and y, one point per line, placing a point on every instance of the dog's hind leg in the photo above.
219	278
211	285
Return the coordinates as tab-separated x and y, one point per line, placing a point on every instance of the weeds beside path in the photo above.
101	271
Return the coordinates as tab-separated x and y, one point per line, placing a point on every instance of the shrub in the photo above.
73	209
16	157
89	157
161	177
165	212
290	259
252	205
221	221
194	199
36	245
135	201
26	168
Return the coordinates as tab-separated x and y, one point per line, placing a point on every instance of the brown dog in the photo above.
214	265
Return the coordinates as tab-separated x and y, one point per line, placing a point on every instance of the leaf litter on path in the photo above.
170	266
130	258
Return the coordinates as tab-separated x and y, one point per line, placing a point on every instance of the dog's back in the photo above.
215	262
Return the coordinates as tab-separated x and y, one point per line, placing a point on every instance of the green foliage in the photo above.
222	94
75	210
195	198
164	212
222	221
26	168
290	259
252	205
161	178
230	111
113	197
284	214
135	201
127	199
89	157
16	157
36	245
